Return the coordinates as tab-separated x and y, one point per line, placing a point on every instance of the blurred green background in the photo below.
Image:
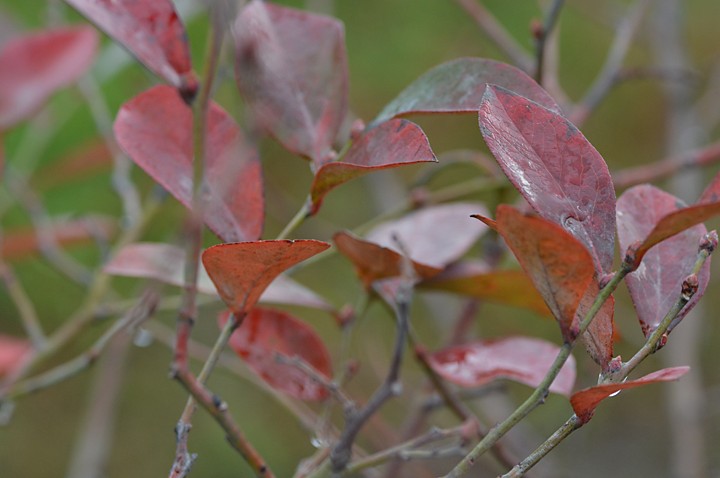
389	43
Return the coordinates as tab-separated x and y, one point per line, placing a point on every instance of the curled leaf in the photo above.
657	282
522	359
585	401
152	31
34	66
458	87
242	271
292	69
389	145
554	167
155	130
266	334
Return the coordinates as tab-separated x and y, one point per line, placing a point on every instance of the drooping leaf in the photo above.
22	242
458	86
152	31
12	351
373	262
522	359
34	66
242	271
563	272
389	145
264	334
292	69
657	282
585	401
554	167
155	130
499	286
166	263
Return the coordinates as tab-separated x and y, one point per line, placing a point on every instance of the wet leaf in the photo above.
34	66
155	130
264	334
23	242
458	86
522	359
481	282
292	69
166	263
554	167
389	145
563	272
585	401
152	31
657	282
12	351
242	271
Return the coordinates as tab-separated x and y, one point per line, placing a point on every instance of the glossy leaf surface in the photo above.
554	167
166	263
585	401
389	145
657	282
12	351
151	30
242	271
155	130
264	334
522	359
499	286
563	272
292	69
458	87
34	66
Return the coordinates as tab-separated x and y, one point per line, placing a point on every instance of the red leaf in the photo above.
12	351
499	286
458	86
155	130
562	270
34	66
389	145
22	242
264	334
522	359
87	159
292	68
585	401
166	263
152	31
656	284
554	167
243	270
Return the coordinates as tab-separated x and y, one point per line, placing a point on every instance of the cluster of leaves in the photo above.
291	70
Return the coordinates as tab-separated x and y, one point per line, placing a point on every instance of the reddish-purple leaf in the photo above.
292	69
389	145
712	192
481	282
152	31
266	334
155	129
458	86
522	359
554	167
166	263
34	66
657	282
12	351
585	401
563	272
243	270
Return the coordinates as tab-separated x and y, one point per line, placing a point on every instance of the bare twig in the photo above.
542	34
24	305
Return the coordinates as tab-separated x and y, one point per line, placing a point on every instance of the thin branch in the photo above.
541	36
330	385
497	34
607	77
24	305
